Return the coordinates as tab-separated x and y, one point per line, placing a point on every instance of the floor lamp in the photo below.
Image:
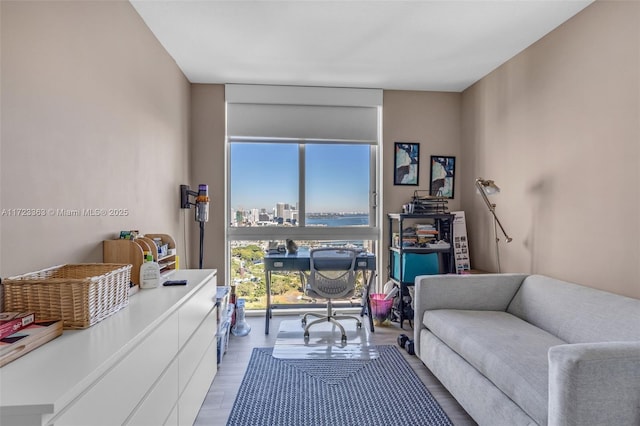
488	187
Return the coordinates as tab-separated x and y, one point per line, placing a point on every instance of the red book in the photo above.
10	322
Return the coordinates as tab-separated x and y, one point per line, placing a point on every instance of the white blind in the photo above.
317	113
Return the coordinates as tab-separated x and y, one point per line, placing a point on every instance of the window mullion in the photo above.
302	210
373	201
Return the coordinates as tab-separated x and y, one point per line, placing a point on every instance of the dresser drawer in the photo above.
194	310
121	388
156	408
193	352
172	420
196	391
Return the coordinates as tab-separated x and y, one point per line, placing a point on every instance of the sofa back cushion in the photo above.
574	313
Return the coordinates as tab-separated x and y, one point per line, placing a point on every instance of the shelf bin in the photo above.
414	264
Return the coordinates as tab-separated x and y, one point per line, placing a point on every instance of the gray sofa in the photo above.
519	349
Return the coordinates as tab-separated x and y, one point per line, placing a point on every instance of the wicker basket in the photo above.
80	295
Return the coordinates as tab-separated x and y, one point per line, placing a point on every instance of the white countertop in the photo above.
50	376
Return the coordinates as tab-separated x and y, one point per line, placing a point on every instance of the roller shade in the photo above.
273	112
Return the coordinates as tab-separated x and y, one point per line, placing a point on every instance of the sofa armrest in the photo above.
481	292
594	384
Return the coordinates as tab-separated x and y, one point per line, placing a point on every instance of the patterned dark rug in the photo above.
292	392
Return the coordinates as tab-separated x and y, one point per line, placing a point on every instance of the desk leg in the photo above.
369	279
267	315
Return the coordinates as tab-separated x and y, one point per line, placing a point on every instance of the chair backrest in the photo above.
332	274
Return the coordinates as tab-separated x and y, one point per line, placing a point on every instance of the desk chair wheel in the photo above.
359	324
344	339
306	337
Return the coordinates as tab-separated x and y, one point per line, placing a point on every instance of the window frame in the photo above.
301	231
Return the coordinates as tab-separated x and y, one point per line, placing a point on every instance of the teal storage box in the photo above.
414	264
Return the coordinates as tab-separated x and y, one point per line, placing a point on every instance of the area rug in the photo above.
382	391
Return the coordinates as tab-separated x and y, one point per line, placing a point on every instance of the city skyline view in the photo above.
337	176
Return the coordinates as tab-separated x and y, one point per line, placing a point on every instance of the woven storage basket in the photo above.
80	295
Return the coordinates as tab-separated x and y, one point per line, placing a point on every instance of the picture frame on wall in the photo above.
406	163
442	176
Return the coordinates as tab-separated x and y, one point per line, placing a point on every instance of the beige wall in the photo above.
95	114
208	166
557	127
433	119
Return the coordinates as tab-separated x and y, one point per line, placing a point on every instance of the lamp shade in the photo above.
488	186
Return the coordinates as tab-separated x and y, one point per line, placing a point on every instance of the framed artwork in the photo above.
406	161
442	177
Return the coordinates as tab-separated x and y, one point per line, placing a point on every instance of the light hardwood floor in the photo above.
217	405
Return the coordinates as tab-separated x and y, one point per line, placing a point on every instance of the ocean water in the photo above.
354	220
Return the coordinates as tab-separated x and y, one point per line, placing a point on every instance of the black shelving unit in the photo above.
443	223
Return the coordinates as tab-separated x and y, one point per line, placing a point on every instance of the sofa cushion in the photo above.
507	350
574	313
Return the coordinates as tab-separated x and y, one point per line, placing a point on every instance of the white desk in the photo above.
150	363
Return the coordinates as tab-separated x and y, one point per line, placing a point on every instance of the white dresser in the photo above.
149	364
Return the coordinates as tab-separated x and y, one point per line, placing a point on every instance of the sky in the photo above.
337	176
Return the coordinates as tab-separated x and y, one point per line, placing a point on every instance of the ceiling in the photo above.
435	45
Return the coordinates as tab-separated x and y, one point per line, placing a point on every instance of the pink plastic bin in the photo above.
380	308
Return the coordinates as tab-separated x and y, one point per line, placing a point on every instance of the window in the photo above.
338	185
327	201
266	182
298	169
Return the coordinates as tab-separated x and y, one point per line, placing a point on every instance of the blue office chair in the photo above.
332	276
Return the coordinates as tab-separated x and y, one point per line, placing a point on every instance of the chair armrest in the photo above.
480	292
594	384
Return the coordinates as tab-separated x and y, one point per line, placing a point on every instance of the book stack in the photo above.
11	322
27	339
409	237
426	234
